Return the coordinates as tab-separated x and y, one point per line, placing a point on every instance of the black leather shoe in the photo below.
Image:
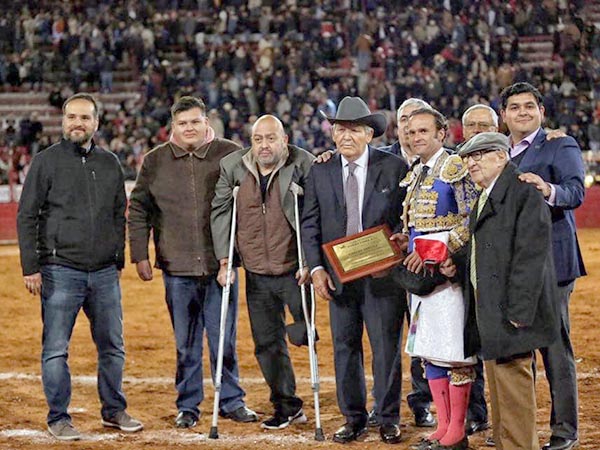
424	418
489	441
560	443
348	433
425	444
474	426
372	420
390	433
243	414
462	445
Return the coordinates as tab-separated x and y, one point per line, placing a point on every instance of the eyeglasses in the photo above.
479	125
476	156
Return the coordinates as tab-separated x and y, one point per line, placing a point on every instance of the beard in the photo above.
270	161
78	139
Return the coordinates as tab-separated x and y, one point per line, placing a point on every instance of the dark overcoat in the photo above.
516	280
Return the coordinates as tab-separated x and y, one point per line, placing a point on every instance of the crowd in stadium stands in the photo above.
290	58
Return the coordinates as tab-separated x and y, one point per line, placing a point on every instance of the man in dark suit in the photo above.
510	287
556	169
355	190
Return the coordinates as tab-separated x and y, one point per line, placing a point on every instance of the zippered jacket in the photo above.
266	231
72	210
171	201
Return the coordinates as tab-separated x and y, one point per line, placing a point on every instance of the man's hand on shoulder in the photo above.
538	182
555	134
324	157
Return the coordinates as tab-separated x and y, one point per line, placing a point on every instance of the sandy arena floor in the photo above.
150	369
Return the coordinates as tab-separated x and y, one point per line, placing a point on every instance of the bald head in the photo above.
269	142
270	121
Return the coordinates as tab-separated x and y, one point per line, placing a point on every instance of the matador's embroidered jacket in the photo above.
442	202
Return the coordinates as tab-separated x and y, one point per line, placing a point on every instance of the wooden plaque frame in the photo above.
380	263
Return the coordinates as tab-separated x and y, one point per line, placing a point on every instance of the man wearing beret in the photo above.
355	190
509	284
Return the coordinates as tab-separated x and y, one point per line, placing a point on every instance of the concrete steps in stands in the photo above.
22	104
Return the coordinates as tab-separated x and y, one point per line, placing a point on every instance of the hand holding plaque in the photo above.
362	254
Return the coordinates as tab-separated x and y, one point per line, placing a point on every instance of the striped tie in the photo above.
473	272
351	194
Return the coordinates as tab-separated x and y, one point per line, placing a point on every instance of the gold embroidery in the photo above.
459	237
462	375
439	223
453	169
408	179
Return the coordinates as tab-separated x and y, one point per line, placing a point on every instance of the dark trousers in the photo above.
420	397
559	363
382	313
477	406
267	297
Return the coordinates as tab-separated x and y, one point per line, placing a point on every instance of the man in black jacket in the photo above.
71	226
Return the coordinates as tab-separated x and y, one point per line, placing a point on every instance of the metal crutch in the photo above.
214	432
309	319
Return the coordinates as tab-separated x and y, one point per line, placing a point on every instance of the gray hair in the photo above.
413	101
367	128
481	106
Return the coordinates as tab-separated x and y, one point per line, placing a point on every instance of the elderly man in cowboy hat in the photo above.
355	190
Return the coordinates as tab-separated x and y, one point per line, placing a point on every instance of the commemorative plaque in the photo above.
362	254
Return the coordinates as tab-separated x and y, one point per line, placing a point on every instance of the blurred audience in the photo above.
244	57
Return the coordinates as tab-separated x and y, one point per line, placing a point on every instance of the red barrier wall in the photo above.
588	215
8	222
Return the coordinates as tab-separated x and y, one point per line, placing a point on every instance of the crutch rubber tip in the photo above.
214	433
319	436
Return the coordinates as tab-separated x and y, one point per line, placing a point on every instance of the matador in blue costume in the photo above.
438	202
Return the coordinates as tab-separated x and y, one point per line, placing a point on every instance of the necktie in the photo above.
351	194
473	272
423	174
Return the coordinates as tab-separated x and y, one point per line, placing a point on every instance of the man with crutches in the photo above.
266	243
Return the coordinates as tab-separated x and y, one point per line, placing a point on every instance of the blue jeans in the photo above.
64	292
195	305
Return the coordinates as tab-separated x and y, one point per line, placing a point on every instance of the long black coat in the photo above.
515	272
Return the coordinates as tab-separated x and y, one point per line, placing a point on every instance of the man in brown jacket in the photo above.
172	198
267	173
